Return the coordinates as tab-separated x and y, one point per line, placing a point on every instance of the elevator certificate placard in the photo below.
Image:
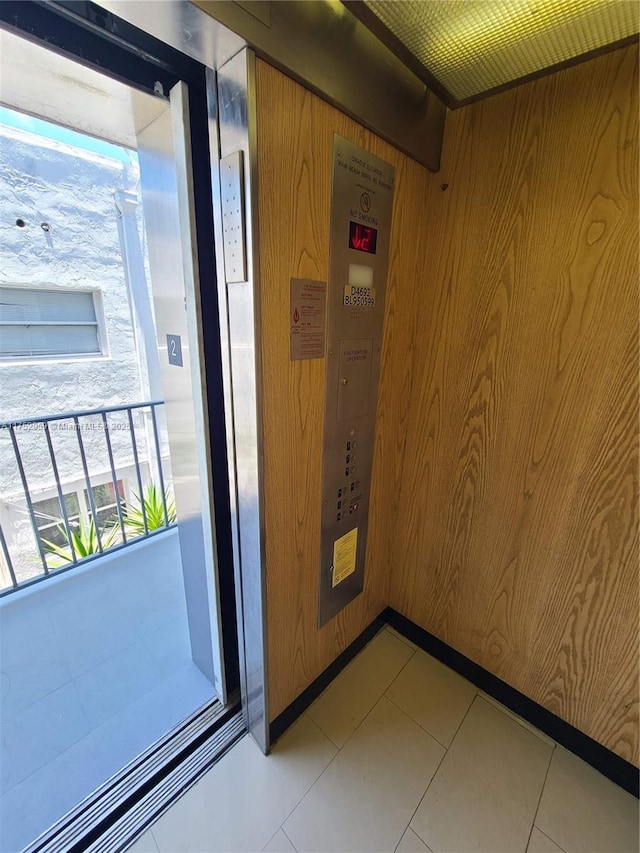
344	556
307	316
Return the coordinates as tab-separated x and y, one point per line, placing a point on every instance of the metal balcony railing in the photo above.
115	535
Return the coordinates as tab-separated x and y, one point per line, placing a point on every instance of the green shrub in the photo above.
84	539
154	511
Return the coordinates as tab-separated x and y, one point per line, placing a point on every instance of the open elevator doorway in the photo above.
113	529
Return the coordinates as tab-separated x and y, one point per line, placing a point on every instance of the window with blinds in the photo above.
47	322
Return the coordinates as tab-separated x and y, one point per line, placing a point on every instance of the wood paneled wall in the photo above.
295	150
517	531
504	506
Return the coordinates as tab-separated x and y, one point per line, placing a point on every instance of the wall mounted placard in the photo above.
307	311
174	350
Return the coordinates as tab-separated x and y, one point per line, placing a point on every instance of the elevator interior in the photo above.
503	503
495	453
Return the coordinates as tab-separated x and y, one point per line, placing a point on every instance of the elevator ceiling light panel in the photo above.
474	46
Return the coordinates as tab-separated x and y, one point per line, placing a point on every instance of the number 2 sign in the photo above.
174	350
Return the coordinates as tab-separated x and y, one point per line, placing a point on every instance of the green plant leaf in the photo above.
134	517
84	540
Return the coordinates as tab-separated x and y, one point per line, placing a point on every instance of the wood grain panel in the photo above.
295	145
504	502
516	539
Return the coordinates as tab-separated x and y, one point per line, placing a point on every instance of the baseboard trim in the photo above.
622	772
299	705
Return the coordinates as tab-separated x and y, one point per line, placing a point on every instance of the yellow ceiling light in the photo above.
472	46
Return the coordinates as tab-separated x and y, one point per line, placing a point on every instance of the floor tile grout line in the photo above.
547	836
21	710
284	832
157	683
384	696
535	814
384	693
395	849
321	730
155	840
435	773
59	655
128	704
42	767
408	829
339	750
399	672
413	814
324	769
350	664
399	636
524	724
477	693
138	640
409	717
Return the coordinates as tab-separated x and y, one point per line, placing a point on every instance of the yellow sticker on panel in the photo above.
344	556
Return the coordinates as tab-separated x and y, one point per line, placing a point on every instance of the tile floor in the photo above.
95	665
401	754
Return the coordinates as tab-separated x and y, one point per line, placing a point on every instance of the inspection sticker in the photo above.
363	296
344	556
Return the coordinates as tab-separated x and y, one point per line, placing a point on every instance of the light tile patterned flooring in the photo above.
400	753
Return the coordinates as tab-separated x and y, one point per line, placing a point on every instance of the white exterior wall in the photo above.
42	180
71	189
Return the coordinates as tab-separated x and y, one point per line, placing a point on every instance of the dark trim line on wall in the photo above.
299	705
622	772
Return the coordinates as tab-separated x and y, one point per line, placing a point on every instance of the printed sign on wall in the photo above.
307	317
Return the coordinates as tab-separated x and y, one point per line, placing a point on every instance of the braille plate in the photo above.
231	185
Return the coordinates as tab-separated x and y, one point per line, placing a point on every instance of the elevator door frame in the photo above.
142	61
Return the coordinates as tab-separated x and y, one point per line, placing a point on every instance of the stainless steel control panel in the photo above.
361	209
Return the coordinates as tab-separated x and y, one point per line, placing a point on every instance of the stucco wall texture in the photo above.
72	190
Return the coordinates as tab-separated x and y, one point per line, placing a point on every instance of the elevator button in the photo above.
339	493
338	517
353	485
346	472
339	504
348	459
348	445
